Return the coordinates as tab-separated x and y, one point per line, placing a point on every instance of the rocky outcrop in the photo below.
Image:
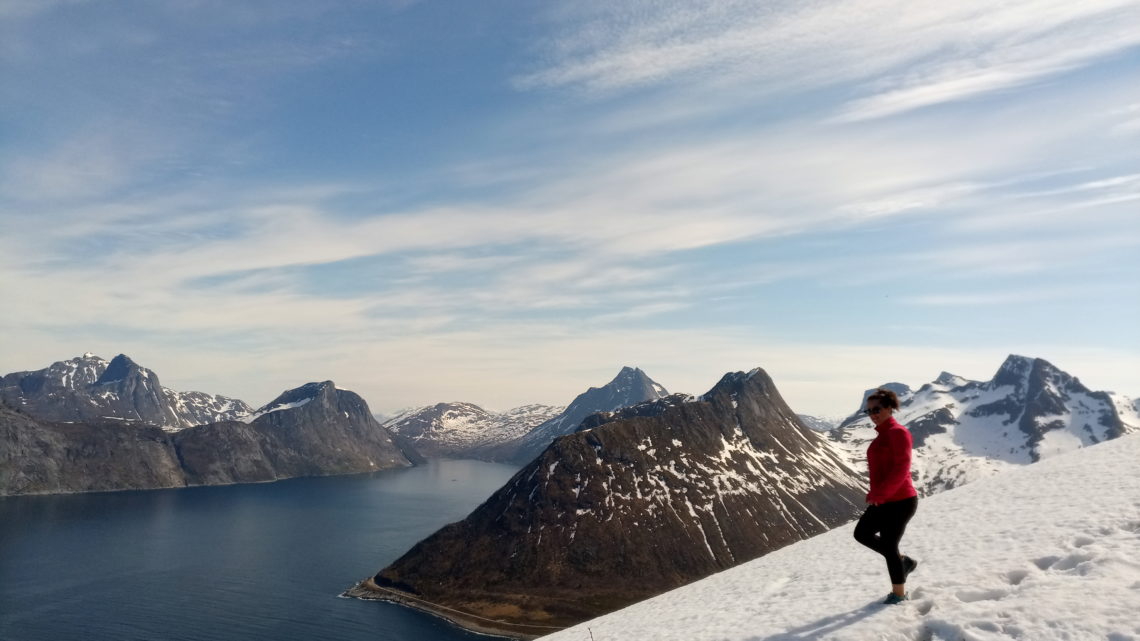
314	430
634	503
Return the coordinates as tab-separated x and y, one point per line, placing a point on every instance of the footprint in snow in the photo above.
1046	562
1071	561
1082	541
1015	577
924	607
973	596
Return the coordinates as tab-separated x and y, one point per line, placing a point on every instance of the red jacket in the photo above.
888	460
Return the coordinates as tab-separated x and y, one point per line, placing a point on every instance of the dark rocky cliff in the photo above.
635	503
40	457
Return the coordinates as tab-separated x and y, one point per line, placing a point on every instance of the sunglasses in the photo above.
871	411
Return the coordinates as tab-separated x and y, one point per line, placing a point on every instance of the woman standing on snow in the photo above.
892	500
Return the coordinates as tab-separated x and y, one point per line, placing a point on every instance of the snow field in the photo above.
1046	552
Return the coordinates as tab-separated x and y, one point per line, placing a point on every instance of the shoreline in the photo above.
367	590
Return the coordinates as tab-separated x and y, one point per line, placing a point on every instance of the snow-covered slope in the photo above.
456	430
1129	411
1046	552
89	388
965	430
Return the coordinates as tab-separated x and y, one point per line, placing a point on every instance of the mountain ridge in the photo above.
330	432
630	386
964	430
465	430
633	502
89	388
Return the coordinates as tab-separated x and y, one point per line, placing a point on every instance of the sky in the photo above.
505	202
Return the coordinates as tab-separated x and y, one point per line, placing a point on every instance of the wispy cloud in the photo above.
686	187
902	55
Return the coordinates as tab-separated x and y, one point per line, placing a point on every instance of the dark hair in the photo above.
885	398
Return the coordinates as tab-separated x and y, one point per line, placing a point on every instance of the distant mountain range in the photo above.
90	425
820	423
464	430
964	430
72	414
630	387
89	388
630	504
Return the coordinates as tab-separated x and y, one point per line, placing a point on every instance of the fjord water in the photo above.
242	562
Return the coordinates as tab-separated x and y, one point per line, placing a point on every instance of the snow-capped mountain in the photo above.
1046	552
820	423
630	387
88	388
633	503
965	430
463	430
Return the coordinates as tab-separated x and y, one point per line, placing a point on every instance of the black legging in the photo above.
881	528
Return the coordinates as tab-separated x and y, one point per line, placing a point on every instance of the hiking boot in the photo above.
894	599
909	565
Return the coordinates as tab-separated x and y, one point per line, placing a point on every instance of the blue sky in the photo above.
505	202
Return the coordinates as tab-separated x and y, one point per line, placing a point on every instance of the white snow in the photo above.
465	425
1056	442
1044	552
1129	411
276	408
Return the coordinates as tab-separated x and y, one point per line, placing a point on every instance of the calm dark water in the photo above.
245	562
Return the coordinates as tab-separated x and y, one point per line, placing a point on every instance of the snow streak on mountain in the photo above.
633	503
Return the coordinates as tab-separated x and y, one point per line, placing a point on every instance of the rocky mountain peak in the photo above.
306	392
1013	371
949	380
634	380
630	387
734	383
1038	380
120	368
88	388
